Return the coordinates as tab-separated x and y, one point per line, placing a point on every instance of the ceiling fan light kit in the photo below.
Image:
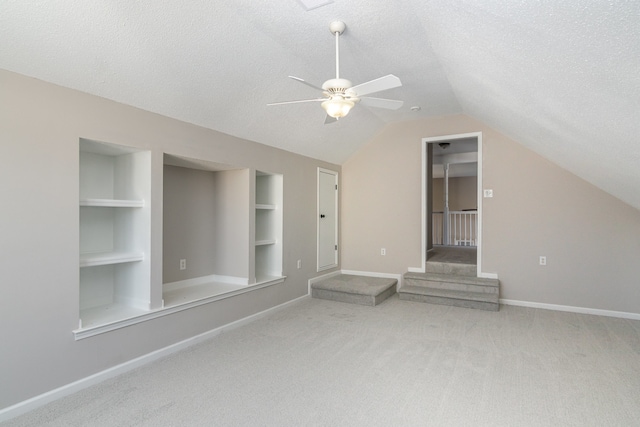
340	96
337	107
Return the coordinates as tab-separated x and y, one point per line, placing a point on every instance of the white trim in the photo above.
572	309
488	275
398	277
42	399
164	311
431	139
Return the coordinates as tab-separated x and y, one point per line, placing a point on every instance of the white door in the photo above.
327	219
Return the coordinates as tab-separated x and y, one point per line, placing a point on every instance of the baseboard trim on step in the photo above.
68	389
398	277
572	309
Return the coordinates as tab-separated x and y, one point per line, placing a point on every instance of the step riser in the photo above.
478	305
452	286
450	268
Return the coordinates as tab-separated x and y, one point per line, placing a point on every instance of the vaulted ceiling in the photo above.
560	77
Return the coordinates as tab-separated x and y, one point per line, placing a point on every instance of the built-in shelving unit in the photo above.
211	247
268	226
114	232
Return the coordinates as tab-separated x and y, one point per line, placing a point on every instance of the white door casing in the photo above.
327	219
425	141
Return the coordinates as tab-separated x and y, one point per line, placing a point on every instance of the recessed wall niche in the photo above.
206	229
114	189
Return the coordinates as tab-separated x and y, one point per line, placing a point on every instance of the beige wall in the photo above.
463	193
40	126
591	239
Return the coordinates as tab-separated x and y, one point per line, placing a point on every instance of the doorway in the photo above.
428	154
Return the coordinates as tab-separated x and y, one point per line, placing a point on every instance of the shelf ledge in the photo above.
112	203
265	206
265	242
96	329
107	258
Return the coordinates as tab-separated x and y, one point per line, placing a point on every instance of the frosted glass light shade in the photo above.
337	107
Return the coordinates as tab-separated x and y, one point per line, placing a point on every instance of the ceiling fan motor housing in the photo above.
337	85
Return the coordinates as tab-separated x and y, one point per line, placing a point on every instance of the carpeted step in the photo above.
451	268
477	300
453	282
353	289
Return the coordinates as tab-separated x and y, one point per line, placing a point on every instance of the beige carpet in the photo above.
324	363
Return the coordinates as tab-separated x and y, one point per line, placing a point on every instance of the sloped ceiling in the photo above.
561	77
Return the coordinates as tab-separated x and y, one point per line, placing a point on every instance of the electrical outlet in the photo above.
383	251
183	264
299	263
543	260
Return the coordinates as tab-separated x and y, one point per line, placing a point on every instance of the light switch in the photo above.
488	193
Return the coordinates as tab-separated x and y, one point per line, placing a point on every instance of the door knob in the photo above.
321	215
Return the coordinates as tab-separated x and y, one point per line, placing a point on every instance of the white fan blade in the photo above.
297	102
383	83
298	79
389	104
329	120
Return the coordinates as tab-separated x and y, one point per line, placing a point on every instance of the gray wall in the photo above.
206	222
40	125
590	238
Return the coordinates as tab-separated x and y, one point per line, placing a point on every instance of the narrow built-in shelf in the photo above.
106	258
266	242
265	206
112	203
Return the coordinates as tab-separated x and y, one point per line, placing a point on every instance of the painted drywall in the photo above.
463	193
205	222
40	126
590	238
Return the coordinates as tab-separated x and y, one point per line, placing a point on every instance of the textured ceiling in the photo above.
563	78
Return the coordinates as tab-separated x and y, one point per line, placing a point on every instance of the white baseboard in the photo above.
572	309
488	275
42	399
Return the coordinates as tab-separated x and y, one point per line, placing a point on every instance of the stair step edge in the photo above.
454	278
463	295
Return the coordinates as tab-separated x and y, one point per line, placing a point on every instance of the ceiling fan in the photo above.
340	96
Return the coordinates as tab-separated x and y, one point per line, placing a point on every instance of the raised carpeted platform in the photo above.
354	289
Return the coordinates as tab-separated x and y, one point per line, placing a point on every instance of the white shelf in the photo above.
115	316
265	206
266	242
107	258
268	225
112	203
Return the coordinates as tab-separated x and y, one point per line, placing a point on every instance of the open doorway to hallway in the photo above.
469	153
454	213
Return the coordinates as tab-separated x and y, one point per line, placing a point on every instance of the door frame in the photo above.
337	226
425	141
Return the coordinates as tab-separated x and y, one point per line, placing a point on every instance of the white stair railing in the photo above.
463	228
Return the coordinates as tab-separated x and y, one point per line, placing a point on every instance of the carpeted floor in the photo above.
324	363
